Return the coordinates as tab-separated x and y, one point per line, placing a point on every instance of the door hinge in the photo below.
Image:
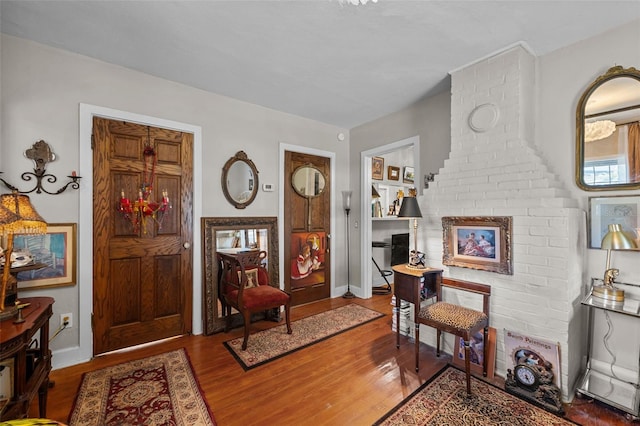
93	141
92	322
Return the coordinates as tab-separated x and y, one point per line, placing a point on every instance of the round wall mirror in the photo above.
308	181
240	180
608	132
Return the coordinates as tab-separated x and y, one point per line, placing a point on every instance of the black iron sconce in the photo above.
41	154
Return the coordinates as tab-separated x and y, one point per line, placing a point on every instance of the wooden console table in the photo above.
30	364
407	284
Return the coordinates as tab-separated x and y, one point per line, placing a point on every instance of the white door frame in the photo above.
366	269
84	351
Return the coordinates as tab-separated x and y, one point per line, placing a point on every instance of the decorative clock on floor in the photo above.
532	380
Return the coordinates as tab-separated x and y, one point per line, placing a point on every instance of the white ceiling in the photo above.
339	64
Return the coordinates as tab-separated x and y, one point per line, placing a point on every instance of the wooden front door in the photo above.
307	227
142	271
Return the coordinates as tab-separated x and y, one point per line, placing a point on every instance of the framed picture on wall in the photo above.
605	211
408	174
393	173
377	168
56	250
481	242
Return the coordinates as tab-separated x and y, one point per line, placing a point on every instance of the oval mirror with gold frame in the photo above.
308	181
240	180
608	132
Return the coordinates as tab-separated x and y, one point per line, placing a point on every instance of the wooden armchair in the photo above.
245	286
458	320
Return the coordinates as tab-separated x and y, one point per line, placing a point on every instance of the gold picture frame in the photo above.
480	242
56	250
377	168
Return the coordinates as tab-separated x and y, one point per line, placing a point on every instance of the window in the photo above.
605	172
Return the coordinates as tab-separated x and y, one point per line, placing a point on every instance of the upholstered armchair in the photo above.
245	286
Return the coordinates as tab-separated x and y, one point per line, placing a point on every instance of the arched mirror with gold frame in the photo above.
240	180
608	132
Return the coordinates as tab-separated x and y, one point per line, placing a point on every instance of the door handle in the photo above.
186	245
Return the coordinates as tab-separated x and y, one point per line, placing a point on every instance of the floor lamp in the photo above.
17	215
346	203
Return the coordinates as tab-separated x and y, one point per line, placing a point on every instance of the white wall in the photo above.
563	77
547	125
429	119
42	88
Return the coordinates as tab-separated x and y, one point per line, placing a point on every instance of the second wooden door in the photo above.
307	226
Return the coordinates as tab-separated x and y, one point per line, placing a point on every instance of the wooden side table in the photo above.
30	366
407	284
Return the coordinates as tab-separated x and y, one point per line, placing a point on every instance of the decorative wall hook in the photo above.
41	154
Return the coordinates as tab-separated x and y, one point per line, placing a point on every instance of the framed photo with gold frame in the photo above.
480	242
477	353
377	168
56	249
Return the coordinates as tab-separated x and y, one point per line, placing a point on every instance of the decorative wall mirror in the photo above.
308	181
240	180
234	233
608	132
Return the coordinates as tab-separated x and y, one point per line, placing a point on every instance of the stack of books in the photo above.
405	317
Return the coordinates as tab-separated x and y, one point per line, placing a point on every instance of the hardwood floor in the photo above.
351	379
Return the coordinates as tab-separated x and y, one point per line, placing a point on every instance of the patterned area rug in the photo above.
444	401
159	390
267	345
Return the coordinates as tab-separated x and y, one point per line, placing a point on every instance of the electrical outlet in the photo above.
68	318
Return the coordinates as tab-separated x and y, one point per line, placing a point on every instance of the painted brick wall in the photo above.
496	171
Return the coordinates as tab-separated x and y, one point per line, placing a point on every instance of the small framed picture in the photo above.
605	211
393	173
377	168
476	345
408	174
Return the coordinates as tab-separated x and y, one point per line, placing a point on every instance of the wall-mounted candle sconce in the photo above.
430	177
41	154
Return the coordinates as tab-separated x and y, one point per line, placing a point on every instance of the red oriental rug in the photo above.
158	390
444	401
273	343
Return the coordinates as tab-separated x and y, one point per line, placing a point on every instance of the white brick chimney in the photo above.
494	170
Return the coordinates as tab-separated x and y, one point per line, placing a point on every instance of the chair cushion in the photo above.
455	316
261	297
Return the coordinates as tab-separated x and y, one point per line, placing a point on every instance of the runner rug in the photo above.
444	401
158	390
273	343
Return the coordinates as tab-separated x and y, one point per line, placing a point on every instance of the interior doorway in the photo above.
385	224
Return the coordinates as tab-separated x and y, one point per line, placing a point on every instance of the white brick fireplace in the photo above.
494	170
